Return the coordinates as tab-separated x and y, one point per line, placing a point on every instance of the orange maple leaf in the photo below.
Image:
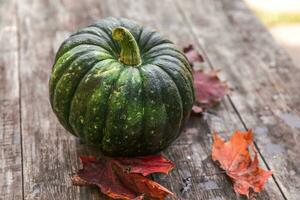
235	159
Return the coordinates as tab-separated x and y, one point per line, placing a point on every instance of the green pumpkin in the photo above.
121	87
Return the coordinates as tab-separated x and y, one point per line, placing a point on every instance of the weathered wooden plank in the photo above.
50	154
191	152
10	141
265	80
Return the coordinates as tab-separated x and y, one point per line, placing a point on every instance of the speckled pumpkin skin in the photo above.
122	110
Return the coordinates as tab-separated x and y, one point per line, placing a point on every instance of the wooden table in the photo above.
37	155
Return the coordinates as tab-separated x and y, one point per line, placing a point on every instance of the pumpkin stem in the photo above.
130	52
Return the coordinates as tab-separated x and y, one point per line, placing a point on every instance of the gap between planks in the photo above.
20	96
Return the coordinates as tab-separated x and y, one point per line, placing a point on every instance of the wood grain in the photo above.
50	154
266	82
10	141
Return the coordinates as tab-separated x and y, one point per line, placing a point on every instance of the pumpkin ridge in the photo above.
108	33
82	45
148	37
91	46
167	73
159	70
162	52
181	59
109	48
108	37
105	45
139	38
53	82
163	103
159	47
124	116
154	40
89	29
187	97
181	96
158	44
101	129
150	119
172	78
66	118
114	46
77	40
94	30
186	69
76	58
107	109
188	74
141	138
177	63
80	81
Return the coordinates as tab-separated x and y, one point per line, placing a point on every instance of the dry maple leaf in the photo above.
235	159
209	89
124	178
197	109
192	55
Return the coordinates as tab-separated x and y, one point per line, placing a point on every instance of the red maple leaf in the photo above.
124	178
197	109
234	157
192	55
209	89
